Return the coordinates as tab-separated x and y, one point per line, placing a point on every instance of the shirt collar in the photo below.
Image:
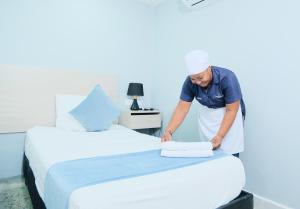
215	75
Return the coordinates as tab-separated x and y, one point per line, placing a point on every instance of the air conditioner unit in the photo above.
192	3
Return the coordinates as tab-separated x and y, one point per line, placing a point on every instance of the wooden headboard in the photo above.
27	95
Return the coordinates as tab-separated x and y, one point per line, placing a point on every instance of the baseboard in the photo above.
264	203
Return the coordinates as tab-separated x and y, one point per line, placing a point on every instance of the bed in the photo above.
196	186
28	97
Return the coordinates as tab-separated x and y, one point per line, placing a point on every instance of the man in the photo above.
221	106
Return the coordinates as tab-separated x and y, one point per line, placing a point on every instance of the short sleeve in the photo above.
232	90
187	93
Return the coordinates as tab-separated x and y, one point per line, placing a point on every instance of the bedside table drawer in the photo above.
140	121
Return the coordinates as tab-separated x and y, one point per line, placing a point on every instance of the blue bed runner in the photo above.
65	177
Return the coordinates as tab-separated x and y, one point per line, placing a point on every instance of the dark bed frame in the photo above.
243	201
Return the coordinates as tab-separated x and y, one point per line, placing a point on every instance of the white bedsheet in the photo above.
206	186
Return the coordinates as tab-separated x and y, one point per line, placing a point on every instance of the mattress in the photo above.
207	185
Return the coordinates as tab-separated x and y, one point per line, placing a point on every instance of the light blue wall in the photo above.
11	154
93	35
259	40
110	36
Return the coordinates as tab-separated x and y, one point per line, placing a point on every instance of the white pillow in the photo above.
64	120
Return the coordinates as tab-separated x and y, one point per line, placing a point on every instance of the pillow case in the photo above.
64	104
97	112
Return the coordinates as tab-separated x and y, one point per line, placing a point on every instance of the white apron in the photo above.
210	120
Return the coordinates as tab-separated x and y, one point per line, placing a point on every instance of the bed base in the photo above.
243	201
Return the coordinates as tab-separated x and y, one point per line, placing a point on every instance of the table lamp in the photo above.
135	90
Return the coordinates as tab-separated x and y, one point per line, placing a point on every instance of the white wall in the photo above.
259	40
109	36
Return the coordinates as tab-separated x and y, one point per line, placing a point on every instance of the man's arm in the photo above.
178	116
229	117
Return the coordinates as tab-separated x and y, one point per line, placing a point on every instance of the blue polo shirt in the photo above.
224	89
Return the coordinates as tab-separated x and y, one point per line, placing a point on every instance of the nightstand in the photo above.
142	121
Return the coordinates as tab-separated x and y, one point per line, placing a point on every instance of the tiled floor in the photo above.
14	194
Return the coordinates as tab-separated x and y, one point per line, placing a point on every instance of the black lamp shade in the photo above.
135	89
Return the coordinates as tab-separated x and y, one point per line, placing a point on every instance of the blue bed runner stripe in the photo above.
65	177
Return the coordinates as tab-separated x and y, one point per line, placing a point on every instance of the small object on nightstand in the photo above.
148	109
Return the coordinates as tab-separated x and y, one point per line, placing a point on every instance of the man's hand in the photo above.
167	136
216	142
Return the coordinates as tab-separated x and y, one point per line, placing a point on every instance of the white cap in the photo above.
196	61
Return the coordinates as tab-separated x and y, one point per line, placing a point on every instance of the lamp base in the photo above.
135	105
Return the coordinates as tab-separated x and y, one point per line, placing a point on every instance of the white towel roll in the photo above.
190	153
180	146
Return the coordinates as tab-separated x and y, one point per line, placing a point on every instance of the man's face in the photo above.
202	79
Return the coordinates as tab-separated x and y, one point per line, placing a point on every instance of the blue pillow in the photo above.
97	112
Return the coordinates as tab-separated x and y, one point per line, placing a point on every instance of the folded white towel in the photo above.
186	153
180	146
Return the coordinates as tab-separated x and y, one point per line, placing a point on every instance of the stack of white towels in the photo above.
186	149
